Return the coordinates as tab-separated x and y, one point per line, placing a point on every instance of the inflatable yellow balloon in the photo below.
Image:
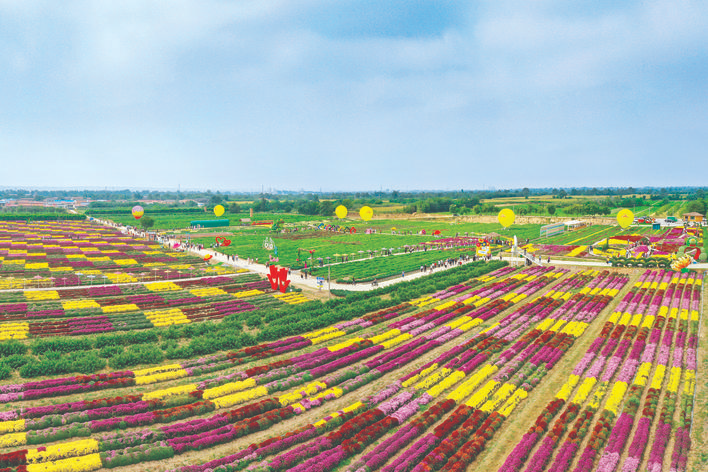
625	218
219	210
341	211
506	217
366	213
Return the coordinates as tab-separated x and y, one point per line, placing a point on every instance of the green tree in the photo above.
698	206
326	208
147	222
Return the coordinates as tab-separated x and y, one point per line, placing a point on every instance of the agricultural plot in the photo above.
61	253
612	241
390	266
317	248
423	376
169	219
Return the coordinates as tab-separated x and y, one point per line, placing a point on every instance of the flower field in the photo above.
664	243
220	373
70	253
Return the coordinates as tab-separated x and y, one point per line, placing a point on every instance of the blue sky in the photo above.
353	95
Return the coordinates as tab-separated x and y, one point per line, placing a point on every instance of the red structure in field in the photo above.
278	278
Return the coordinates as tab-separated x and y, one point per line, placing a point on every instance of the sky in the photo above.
353	95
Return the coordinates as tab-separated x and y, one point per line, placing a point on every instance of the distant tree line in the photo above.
597	201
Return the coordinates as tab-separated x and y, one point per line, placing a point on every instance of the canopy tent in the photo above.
574	224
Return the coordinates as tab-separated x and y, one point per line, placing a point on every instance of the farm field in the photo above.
61	254
633	243
481	366
293	248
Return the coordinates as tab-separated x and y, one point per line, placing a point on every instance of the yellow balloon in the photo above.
341	211
506	217
219	210
366	213
625	218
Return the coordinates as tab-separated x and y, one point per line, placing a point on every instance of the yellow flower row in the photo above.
79	304
446	383
568	387
320	332
229	388
159	374
13	439
480	397
391	333
125	262
207	292
36	295
169	392
420	300
15	261
658	379
476	301
598	395
486	278
689	382
459	321
584	390
616	396
420	375
446	305
396	341
72	464
14	330
468	386
470	324
120	308
11	283
498	398
309	390
561	294
512	402
36	265
291	298
247	293
575	328
433	379
12	426
354	407
120	278
169	317
220	270
65	450
162	286
674	379
240	397
344	344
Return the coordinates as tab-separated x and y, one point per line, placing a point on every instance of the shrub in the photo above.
12	347
5	371
15	361
110	351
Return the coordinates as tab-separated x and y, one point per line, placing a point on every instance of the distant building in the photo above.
693	217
